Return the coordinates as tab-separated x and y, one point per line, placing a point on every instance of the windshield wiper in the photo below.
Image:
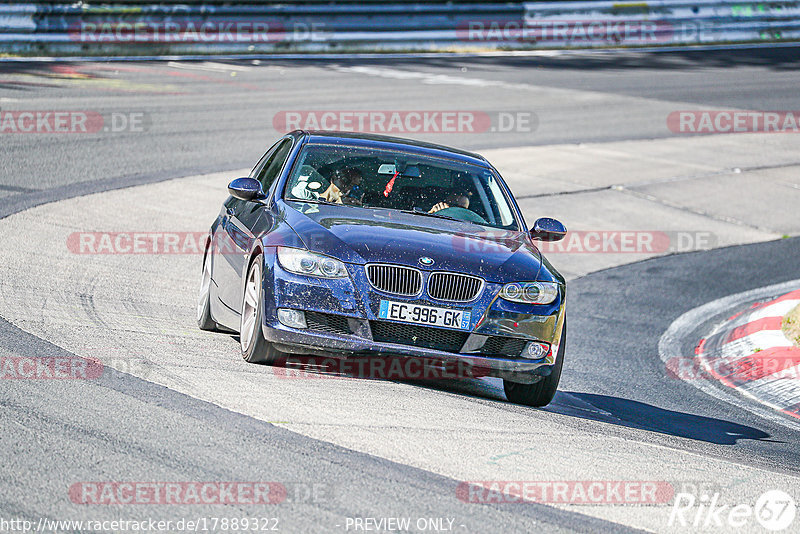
426	214
317	201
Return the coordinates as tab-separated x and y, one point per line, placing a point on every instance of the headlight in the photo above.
530	292
300	261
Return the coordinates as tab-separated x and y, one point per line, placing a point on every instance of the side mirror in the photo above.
246	189
547	229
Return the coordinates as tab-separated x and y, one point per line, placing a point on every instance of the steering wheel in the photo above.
457	212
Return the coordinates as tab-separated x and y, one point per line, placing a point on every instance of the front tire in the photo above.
542	392
255	349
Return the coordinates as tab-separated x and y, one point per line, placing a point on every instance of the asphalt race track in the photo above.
177	404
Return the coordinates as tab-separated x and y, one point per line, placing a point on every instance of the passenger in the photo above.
454	200
312	186
309	184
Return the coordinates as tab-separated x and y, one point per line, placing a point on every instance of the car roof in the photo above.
388	142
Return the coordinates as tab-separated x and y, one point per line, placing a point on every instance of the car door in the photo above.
240	218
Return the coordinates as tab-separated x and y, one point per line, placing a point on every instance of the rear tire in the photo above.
542	392
255	349
204	320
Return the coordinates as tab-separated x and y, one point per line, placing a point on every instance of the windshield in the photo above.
388	179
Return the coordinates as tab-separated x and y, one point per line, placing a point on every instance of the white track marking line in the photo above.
777	388
208	66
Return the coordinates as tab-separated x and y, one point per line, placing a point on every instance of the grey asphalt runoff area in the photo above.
178	405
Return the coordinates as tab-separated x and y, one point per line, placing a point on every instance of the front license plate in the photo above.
427	315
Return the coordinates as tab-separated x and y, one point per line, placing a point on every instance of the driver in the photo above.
454	200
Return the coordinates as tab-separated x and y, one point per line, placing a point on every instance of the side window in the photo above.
269	171
260	165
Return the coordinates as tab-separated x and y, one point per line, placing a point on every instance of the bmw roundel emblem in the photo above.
425	260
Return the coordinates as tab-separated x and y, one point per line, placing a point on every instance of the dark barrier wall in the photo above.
309	26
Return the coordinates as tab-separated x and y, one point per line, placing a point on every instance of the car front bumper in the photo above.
355	300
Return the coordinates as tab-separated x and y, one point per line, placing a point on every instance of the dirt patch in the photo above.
791	325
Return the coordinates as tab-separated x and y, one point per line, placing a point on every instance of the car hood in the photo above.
362	235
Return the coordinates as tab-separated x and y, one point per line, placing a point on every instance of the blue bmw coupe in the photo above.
359	246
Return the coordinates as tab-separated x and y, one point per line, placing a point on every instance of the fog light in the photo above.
535	350
292	318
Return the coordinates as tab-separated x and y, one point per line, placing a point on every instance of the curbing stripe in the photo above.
768	363
761	310
719	339
747	345
750	353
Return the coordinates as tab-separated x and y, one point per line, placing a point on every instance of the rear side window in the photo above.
272	167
